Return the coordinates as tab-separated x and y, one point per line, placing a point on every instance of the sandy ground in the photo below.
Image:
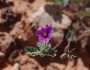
16	33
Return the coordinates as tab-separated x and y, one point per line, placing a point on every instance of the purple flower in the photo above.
45	33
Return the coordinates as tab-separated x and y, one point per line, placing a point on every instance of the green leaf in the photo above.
52	52
32	51
43	45
47	51
48	44
40	45
78	1
69	34
82	13
65	2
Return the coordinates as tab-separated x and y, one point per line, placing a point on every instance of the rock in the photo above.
80	65
15	66
2	55
55	66
70	65
57	35
14	56
48	15
65	22
5	41
28	63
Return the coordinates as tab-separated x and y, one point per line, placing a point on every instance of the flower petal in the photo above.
49	29
48	38
43	30
42	39
46	25
39	32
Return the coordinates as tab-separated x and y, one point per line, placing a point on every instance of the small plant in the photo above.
67	52
43	44
70	37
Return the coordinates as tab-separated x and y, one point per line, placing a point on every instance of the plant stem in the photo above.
45	44
60	41
70	39
68	45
